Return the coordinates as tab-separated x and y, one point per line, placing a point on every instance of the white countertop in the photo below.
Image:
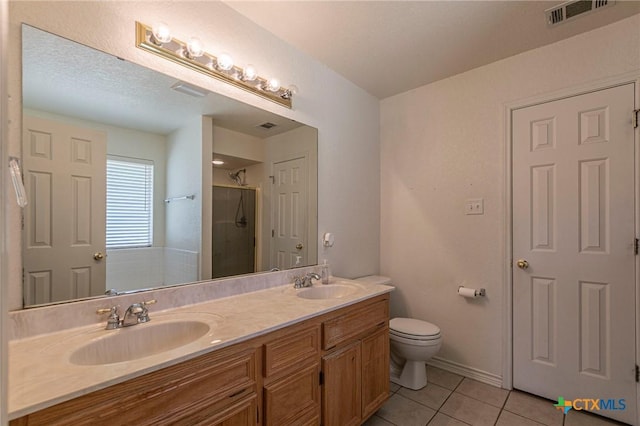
41	375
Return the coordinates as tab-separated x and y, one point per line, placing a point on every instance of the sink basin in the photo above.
138	341
328	291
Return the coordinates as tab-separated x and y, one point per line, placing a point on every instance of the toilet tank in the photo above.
375	279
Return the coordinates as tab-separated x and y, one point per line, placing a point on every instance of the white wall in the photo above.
445	142
346	116
236	144
183	227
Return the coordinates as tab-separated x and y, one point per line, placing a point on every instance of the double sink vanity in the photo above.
275	356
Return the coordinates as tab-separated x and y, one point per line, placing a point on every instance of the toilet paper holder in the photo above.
476	293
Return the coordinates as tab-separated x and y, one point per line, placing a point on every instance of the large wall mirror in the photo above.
136	180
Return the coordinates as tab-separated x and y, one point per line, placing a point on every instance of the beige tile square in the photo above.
442	378
483	392
534	408
509	419
403	411
444	420
582	418
470	410
376	421
433	396
393	387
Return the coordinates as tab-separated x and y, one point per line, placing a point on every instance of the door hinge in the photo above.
636	113
273	179
635	246
273	233
637	373
321	378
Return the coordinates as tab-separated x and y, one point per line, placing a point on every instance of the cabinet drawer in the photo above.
293	399
241	413
298	347
354	323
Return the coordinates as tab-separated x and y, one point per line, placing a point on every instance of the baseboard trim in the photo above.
466	371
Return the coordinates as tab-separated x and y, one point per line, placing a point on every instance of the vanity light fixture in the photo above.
158	40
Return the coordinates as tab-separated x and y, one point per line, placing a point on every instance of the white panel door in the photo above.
64	222
573	223
289	242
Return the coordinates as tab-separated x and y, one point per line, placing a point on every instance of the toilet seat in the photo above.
416	342
413	329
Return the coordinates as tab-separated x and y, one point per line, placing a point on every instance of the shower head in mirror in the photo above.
235	176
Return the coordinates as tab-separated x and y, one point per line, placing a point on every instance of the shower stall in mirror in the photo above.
233	231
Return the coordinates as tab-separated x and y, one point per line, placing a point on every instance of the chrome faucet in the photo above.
310	276
305	281
135	314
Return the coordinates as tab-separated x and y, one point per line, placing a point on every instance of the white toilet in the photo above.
413	342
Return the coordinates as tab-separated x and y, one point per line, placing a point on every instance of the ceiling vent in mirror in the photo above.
574	8
190	89
267	125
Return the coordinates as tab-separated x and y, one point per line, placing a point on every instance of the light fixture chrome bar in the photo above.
176	51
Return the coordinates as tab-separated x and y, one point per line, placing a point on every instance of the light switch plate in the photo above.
474	206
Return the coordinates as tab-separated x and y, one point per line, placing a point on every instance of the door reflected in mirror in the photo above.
124	190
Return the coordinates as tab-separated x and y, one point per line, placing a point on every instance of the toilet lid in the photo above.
413	327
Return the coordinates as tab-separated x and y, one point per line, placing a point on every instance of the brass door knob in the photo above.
98	256
299	246
522	264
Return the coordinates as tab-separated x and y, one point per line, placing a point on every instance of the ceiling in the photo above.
389	47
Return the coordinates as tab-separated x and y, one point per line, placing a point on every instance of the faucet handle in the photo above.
144	315
298	281
113	321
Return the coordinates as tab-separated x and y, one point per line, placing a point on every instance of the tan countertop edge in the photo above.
40	375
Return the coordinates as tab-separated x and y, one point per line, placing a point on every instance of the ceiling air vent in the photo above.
267	125
572	9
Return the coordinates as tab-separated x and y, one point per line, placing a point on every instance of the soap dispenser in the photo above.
324	272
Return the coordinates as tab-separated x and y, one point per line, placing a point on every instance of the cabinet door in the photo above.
292	399
375	371
341	397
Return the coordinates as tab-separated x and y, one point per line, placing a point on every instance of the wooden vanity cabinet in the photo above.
272	380
219	388
355	364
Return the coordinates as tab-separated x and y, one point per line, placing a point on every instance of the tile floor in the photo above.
453	400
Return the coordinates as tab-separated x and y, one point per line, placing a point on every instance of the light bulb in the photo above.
218	162
249	73
161	32
225	62
293	89
194	47
273	85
